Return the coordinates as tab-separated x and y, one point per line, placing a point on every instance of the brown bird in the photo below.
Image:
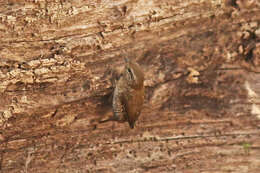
128	96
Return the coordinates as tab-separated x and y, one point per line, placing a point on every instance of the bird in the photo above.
128	95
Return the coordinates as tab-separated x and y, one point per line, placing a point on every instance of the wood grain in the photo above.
58	60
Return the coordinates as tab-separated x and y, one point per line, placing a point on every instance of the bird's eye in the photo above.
129	70
130	73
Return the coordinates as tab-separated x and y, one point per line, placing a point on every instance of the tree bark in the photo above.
58	61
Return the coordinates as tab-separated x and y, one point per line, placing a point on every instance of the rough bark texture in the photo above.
201	61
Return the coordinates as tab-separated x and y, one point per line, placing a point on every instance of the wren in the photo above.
128	96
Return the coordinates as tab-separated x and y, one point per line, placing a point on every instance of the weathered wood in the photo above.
201	61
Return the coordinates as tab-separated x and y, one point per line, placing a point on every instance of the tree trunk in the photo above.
58	61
